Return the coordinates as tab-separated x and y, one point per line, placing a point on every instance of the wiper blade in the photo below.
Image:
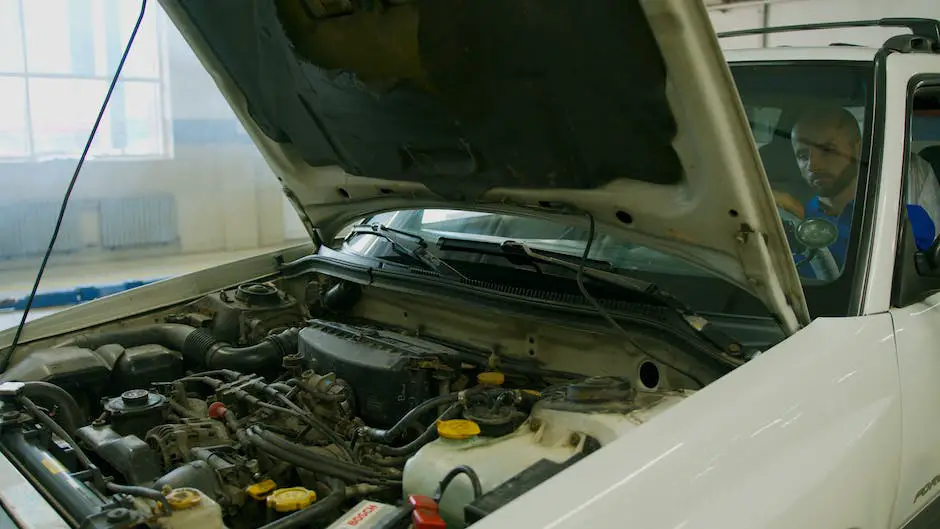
408	244
521	252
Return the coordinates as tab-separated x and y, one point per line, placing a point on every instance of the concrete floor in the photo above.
16	283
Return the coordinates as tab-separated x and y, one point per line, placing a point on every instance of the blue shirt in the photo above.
921	225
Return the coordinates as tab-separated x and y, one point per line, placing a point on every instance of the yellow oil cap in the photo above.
491	378
291	499
261	489
180	499
457	429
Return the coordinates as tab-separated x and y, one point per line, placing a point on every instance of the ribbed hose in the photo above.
305	517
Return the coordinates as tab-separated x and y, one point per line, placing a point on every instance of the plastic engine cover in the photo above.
557	436
390	373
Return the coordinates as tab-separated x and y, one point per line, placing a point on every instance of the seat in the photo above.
782	170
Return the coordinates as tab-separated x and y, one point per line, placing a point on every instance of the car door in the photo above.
912	297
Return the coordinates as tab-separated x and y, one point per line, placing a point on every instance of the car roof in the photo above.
817	53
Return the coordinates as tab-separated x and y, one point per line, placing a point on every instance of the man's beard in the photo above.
838	183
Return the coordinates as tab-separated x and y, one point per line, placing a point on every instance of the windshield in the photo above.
807	121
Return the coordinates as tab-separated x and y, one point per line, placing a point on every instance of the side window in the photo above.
922	187
917	266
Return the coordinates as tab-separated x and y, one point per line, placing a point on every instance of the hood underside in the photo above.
621	109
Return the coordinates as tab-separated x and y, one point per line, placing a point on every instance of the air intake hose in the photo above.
198	346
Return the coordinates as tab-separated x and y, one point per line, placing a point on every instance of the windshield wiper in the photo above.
408	244
521	252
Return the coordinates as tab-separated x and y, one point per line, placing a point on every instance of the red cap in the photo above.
217	411
425	515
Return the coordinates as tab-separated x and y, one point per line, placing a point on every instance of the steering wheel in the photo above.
820	260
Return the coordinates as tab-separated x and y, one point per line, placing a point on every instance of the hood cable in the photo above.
6	356
613	323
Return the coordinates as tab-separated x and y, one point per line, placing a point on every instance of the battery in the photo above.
365	515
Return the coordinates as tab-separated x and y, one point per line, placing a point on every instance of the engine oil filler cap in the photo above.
291	499
491	378
183	498
457	429
260	490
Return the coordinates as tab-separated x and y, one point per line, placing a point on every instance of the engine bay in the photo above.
317	403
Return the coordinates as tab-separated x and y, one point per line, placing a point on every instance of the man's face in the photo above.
827	154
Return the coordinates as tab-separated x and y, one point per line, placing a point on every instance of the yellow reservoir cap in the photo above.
457	429
291	499
260	490
180	499
491	378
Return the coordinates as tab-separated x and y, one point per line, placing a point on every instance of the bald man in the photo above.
827	144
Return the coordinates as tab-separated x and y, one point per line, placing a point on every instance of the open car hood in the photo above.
623	109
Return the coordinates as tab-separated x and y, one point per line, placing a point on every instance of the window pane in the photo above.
143	60
143	119
11	39
61	124
48	48
13	136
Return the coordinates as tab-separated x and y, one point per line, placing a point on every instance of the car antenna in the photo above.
5	357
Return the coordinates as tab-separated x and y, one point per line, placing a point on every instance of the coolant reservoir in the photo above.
550	433
189	509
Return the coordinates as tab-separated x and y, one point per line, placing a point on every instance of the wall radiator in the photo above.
123	223
136	222
25	229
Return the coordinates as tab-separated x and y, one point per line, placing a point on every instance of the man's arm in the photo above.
922	226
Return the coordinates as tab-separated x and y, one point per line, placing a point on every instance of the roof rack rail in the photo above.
922	27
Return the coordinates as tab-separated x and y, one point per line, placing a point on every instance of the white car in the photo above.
550	284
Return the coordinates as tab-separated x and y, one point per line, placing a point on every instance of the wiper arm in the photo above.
408	244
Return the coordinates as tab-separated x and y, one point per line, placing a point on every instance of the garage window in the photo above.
57	61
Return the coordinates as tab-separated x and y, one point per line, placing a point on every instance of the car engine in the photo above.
251	408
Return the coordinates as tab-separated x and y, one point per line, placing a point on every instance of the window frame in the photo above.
159	80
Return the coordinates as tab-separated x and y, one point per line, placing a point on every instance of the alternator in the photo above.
175	441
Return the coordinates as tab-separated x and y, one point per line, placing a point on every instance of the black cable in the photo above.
613	323
5	358
58	430
456	471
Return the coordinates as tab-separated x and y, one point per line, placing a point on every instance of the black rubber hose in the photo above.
305	517
389	435
140	492
430	434
300	451
456	471
68	413
198	346
313	465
